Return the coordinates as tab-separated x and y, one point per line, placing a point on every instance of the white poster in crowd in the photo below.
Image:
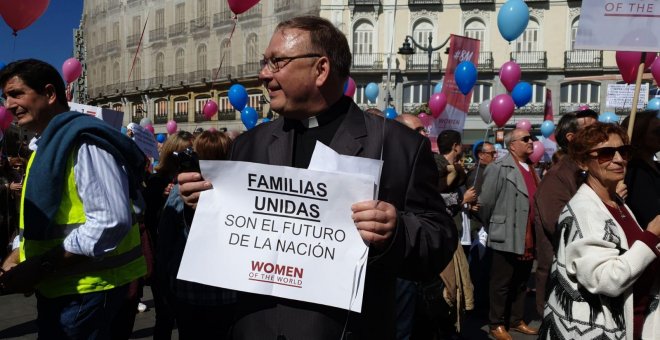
621	95
144	139
279	231
622	25
112	117
550	147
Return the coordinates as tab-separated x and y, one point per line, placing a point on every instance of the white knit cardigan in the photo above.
590	294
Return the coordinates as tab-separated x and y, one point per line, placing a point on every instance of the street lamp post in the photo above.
407	49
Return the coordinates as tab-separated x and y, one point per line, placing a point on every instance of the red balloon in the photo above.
240	6
628	63
510	75
19	14
210	109
655	70
437	104
501	109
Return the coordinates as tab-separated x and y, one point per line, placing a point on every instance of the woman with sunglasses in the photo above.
605	278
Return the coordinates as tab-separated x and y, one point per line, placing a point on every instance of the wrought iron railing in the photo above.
463	2
583	59
112	46
485	61
181	117
222	19
199	24
228	114
132	40
177	29
199	76
534	60
368	61
424	2
420	61
249	69
157	34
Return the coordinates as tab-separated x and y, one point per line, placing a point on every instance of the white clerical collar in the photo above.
310	122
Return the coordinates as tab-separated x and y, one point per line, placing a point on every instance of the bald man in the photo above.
412	122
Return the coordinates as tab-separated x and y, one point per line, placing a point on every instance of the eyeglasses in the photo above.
607	153
525	139
275	64
491	153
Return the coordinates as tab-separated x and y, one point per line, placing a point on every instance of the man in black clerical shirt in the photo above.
408	230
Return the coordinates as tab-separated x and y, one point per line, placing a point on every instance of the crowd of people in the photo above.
87	225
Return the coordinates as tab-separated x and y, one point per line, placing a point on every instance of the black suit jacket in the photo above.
423	244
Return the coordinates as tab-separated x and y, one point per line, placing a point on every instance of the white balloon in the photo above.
484	111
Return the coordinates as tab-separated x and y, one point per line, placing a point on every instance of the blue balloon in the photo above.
249	117
390	113
512	19
522	94
608	117
2	65
498	146
238	97
475	146
437	88
547	128
465	76
371	92
654	104
161	138
124	130
265	120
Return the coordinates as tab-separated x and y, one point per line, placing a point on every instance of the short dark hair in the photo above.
325	39
36	74
480	147
447	139
567	124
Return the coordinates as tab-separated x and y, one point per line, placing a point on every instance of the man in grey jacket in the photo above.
506	201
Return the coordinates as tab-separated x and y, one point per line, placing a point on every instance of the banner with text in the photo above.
622	25
621	95
453	118
279	231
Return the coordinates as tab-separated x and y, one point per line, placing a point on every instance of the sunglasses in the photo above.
525	139
606	154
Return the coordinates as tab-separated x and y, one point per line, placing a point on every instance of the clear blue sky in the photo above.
50	38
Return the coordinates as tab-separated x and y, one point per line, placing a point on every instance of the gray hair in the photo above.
508	138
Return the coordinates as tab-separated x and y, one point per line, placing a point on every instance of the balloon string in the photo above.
231	34
13	51
137	51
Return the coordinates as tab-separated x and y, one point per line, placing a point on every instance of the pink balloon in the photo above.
655	70
501	109
628	63
583	107
524	124
171	127
3	116
71	70
437	104
6	121
426	119
149	128
20	14
210	109
240	6
510	75
537	153
349	87
212	129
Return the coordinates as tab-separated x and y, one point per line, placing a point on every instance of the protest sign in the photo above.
621	95
279	231
453	118
144	139
622	25
112	117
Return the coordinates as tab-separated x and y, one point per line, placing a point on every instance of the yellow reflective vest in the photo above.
117	268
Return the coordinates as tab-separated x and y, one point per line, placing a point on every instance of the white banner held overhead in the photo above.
622	25
621	95
279	231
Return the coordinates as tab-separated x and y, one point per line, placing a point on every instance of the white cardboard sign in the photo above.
621	95
279	231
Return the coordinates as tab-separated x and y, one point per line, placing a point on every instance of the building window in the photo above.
181	109
137	70
138	112
201	8
115	73
415	93
224	105
102	77
363	38
201	58
199	105
481	92
421	32
180	13
136	25
160	18
538	93
252	48
574	29
115	31
160	65
103	35
118	107
254	101
179	61
529	39
160	109
580	93
476	29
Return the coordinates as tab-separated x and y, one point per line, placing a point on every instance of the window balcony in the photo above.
112	4
222	19
485	61
199	117
470	2
160	118
99	49
580	60
364	2
368	61
157	34
227	114
249	69
286	5
112	46
177	30
530	60
252	13
225	72
132	2
420	62
199	24
181	117
132	40
531	109
157	82
179	79
571	107
424	2
199	76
